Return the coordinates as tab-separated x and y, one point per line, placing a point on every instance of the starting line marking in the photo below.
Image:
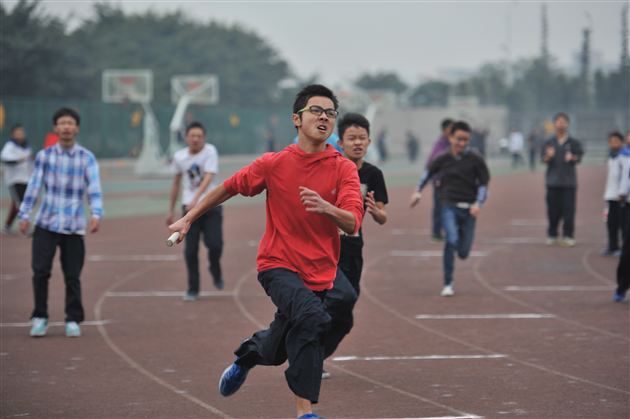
430	253
166	294
86	323
134	258
485	316
414	358
559	288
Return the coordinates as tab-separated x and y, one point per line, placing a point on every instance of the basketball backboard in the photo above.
121	86
203	89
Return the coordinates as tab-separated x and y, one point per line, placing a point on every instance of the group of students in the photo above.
310	257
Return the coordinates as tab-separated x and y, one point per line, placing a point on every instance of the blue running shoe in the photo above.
232	379
40	326
617	297
311	416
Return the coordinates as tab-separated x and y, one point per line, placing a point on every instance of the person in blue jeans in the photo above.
463	190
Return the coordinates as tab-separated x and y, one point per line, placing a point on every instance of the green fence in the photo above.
115	130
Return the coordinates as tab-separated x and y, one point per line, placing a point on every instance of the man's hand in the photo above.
95	224
24	225
170	217
415	198
550	152
313	202
370	203
569	157
475	209
182	225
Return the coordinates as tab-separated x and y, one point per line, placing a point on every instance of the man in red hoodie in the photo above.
312	192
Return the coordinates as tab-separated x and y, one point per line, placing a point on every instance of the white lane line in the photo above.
166	294
515	240
86	323
484	316
134	258
429	253
558	288
528	222
414	358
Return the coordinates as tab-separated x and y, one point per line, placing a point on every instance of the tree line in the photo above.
41	57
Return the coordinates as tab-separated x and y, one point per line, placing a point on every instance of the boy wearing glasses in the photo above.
463	190
312	192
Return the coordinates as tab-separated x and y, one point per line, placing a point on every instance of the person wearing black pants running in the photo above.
561	154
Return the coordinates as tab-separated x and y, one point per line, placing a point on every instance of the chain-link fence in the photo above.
115	130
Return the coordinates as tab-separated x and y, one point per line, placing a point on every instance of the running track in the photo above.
531	333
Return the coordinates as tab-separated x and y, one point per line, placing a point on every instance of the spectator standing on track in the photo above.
198	166
623	268
312	192
68	173
17	157
561	153
354	138
413	146
614	196
442	145
516	145
464	179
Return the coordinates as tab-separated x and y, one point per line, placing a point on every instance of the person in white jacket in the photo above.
623	268
17	159
612	195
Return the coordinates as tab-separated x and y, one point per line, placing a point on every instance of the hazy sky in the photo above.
417	39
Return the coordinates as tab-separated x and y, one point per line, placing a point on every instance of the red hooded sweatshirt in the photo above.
294	239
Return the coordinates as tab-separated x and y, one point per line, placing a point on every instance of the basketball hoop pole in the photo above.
177	122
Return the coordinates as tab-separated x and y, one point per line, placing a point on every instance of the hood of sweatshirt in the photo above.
625	151
311	158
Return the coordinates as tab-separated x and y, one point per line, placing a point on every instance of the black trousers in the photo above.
210	225
351	260
339	301
561	206
296	333
623	269
72	256
615	223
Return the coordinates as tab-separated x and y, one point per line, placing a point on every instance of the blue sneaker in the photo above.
311	416
39	326
619	297
73	330
232	379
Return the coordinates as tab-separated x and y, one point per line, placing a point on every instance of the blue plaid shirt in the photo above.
67	176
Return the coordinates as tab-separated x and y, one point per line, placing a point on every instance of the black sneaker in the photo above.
218	283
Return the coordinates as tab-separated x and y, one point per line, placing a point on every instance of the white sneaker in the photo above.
447	291
567	242
325	375
73	330
551	241
40	326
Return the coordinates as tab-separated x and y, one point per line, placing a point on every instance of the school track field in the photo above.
530	333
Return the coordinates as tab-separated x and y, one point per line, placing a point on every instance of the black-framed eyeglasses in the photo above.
318	110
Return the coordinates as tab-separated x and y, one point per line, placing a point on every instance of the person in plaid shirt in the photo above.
68	172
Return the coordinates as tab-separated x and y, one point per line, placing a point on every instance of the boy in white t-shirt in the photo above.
17	159
198	165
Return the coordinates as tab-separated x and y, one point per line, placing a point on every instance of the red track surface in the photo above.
160	357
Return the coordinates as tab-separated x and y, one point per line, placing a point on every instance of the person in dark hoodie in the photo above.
464	178
312	192
561	153
17	158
